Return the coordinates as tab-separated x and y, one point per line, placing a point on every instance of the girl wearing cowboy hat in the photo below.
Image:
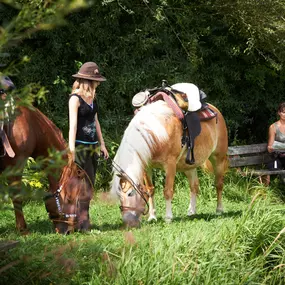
84	128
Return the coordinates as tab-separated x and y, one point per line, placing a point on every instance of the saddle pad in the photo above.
207	114
192	93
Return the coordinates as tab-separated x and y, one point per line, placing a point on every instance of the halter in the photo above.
59	208
137	187
63	216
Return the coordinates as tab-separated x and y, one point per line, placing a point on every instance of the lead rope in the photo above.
57	193
136	186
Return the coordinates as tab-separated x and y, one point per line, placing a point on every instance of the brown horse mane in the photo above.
74	182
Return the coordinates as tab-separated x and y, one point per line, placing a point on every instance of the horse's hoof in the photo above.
191	213
152	219
168	219
219	211
24	232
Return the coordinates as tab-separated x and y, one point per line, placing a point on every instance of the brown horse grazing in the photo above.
32	134
153	139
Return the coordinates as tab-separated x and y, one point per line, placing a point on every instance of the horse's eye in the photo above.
131	193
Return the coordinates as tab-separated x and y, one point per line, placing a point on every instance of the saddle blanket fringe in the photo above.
207	114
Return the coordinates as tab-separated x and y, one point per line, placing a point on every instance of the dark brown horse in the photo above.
32	134
153	139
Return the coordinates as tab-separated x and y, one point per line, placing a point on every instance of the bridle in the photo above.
137	187
62	216
59	208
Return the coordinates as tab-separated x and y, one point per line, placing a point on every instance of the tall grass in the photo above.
245	245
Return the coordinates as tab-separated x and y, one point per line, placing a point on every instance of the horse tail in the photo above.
207	166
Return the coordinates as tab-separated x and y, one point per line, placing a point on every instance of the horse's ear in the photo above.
123	178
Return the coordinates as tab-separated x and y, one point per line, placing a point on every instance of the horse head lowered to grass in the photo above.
31	134
153	138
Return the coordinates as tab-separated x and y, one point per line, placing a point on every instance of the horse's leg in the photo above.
168	189
150	190
219	165
152	211
20	220
86	196
18	202
15	184
192	177
84	205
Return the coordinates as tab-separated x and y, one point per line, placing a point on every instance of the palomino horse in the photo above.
32	134
153	139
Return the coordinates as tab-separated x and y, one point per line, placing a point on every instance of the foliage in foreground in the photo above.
245	245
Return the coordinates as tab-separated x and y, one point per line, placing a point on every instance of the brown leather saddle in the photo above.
178	101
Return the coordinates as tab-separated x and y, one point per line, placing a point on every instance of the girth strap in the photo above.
6	144
191	129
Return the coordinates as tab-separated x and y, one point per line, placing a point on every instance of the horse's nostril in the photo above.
61	228
131	220
132	224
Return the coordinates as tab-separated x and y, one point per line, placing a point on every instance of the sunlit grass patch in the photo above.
244	245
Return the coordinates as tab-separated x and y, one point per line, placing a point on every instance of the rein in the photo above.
137	187
62	217
59	207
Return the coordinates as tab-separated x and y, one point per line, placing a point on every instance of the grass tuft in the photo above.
244	245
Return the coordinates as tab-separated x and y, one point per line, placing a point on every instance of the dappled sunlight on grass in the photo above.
245	244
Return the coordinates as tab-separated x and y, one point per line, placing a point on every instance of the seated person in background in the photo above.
276	141
276	138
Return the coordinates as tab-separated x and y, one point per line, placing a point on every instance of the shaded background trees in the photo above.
233	50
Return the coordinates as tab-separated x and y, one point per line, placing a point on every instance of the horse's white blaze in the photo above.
134	152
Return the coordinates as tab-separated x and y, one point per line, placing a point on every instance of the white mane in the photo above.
135	148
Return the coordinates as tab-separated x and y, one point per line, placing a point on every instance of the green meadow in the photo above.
244	245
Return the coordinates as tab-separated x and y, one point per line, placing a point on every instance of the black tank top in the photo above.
86	131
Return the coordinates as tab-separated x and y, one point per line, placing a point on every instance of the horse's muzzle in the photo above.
63	227
131	219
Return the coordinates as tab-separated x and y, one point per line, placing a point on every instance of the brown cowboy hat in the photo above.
90	71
